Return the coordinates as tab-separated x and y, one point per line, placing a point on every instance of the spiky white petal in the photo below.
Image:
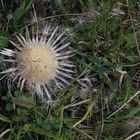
8	60
23	39
52	35
14	44
62	79
47	92
65	70
64	57
57	39
22	84
7	53
10	51
38	90
19	81
8	70
59	85
59	43
62	47
66	65
20	40
64	74
64	53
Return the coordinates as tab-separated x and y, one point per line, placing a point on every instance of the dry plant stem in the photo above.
68	106
121	77
49	17
131	98
84	133
89	110
76	104
128	138
3	133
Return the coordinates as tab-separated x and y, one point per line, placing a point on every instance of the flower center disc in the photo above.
37	62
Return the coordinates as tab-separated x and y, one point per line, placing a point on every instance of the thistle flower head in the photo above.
39	61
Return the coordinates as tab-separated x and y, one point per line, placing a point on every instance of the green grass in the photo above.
106	44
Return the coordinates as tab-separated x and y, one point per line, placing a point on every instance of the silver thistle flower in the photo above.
39	61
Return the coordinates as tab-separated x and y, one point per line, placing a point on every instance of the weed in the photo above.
102	102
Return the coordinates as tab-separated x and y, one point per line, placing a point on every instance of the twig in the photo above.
76	104
3	133
121	77
85	134
137	133
49	17
68	106
131	98
90	107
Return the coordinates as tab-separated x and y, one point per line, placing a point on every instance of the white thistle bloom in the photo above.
39	61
